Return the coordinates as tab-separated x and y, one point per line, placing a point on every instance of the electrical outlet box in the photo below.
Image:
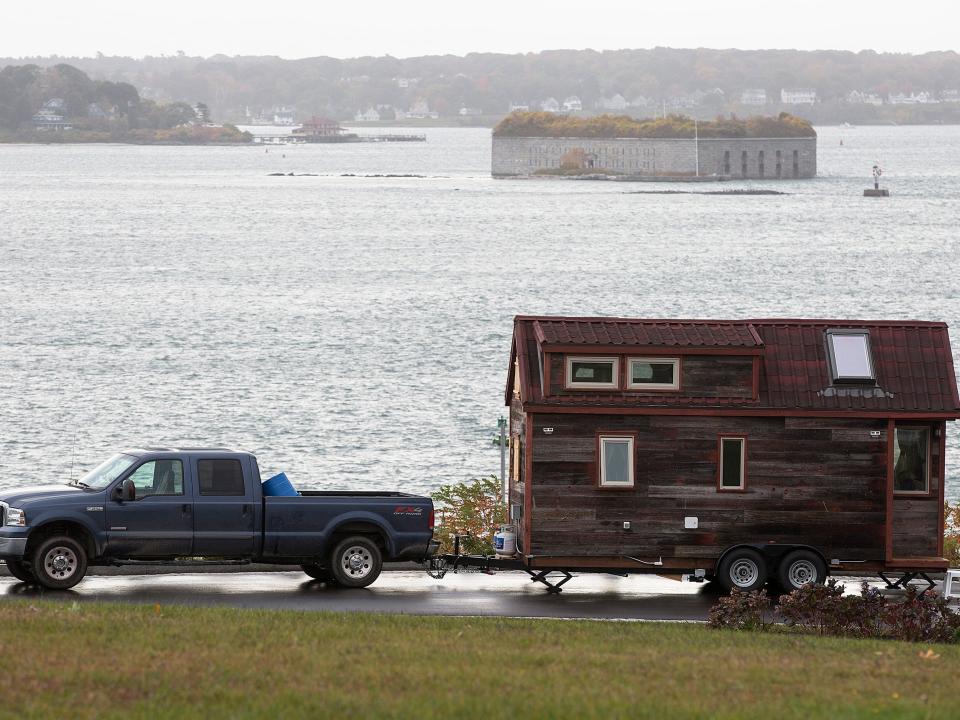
690	523
515	511
626	524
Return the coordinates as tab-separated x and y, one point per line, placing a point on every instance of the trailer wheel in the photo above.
59	562
318	572
743	569
19	569
356	562
799	568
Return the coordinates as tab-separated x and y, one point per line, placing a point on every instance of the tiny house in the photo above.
747	450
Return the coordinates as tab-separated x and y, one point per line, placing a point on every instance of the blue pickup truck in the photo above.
170	504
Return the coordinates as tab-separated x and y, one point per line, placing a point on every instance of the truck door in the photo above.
159	522
225	508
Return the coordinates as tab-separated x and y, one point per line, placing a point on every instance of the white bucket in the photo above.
505	541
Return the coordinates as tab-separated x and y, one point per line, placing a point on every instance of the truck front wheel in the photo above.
19	569
356	562
59	562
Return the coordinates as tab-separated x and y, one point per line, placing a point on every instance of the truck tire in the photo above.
19	569
356	562
318	572
742	568
59	562
799	568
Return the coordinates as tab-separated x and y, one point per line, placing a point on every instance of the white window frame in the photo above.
743	463
630	442
835	374
613	385
675	385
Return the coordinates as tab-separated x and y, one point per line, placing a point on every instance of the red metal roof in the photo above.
641	333
913	362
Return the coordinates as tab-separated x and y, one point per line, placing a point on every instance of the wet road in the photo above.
505	594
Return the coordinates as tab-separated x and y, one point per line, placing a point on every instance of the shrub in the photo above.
951	534
920	618
741	611
473	511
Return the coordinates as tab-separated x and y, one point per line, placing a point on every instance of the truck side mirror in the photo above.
125	491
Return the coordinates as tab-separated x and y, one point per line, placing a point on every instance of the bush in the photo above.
473	511
741	611
825	610
951	534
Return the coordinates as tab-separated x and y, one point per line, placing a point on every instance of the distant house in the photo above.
950	96
368	115
641	102
51	116
753	96
420	110
470	112
616	102
920	98
319	127
798	96
283	115
550	105
572	104
856	97
519	107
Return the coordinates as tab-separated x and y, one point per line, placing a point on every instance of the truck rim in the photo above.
357	562
60	562
801	572
744	572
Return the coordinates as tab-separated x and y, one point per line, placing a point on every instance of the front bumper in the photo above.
12	547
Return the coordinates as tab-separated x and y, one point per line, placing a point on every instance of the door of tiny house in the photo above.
915	489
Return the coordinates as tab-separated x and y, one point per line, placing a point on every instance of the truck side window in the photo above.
158	477
220	477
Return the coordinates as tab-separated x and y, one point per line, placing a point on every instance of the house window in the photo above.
593	373
796	164
654	374
911	460
743	163
760	163
616	461
726	162
731	468
850	359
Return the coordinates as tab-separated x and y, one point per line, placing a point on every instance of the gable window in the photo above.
654	374
911	454
616	461
732	464
593	373
850	359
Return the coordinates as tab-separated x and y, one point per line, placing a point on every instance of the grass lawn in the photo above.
128	661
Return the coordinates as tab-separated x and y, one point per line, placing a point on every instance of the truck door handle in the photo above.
246	509
185	508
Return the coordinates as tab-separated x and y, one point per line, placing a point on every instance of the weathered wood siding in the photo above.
517	456
700	376
813	481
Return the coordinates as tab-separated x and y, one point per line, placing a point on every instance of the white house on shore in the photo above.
798	96
753	96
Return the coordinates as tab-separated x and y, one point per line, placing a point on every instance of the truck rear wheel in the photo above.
318	572
742	568
19	569
356	562
59	562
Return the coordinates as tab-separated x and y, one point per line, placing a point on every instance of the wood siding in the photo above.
815	481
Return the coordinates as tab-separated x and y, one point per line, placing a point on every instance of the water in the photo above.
355	331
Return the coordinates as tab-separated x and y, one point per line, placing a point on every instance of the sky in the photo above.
295	29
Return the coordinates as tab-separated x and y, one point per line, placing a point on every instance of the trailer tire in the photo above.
19	569
318	572
800	568
742	568
59	562
356	562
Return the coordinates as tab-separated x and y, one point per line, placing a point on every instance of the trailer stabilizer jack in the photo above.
552	587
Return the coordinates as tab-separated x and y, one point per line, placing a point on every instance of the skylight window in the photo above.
850	359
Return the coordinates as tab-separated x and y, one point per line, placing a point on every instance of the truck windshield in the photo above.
106	472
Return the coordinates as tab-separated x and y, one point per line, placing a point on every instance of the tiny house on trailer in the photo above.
748	450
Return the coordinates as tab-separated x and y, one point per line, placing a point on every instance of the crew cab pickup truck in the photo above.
168	505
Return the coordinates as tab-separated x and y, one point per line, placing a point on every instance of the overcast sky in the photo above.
295	28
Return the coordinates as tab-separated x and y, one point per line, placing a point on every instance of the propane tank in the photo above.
505	541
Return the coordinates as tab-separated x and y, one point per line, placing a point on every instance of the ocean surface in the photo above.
354	331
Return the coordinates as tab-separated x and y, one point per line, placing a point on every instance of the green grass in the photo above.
127	661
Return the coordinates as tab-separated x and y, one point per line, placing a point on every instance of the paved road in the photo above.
506	594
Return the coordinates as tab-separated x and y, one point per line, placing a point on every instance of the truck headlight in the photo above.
15	516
